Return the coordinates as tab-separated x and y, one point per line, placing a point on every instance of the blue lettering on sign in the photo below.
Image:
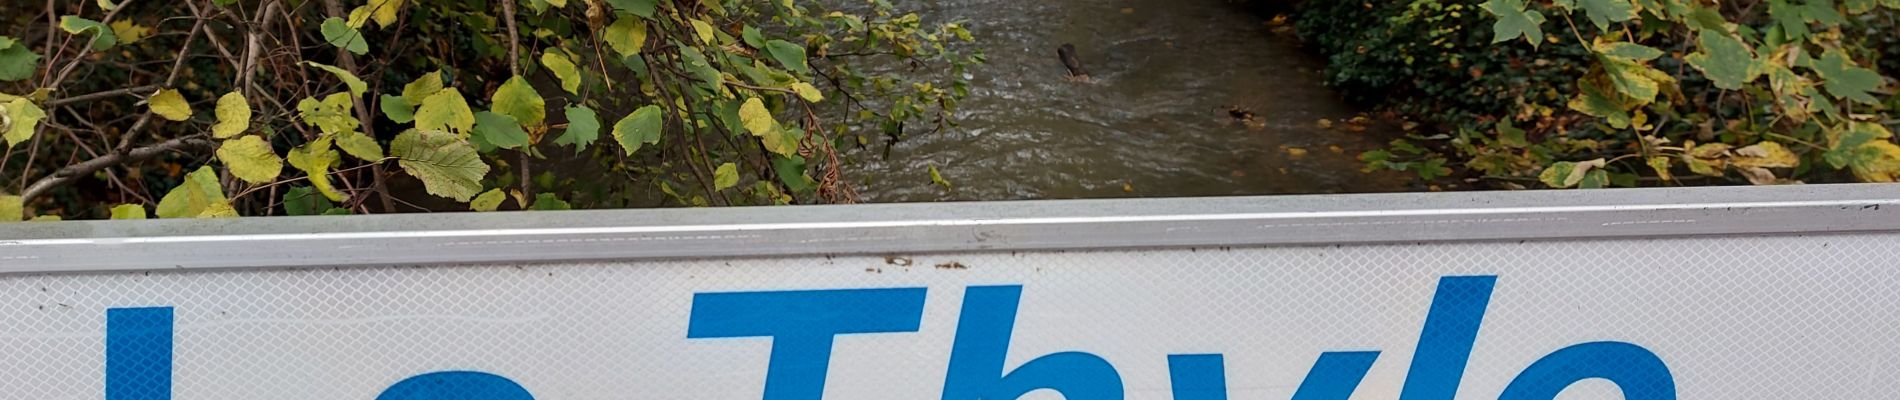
803	327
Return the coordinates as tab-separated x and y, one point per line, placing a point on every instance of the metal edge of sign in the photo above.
421	239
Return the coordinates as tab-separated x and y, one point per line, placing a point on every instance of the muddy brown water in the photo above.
1154	123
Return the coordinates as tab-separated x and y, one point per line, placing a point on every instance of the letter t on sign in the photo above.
802	325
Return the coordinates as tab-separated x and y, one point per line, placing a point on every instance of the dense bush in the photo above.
195	108
1600	93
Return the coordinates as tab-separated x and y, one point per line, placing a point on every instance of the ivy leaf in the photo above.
1846	80
129	32
169	104
564	69
445	110
1604	12
304	201
517	99
359	145
1725	60
583	128
626	36
641	127
499	130
315	159
790	55
420	89
356	85
22	119
234	116
643	8
1515	21
726	176
250	158
447	165
808	92
102	36
17	62
128	211
398	109
338	33
11	208
197	197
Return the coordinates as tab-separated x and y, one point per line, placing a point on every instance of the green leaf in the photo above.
305	201
752	37
128	211
315	159
1565	174
1515	21
643	8
360	145
447	165
338	33
234	116
937	178
356	85
419	90
11	209
637	129
17	62
1725	60
726	176
445	110
398	109
102	36
783	141
22	119
583	128
564	69
1511	136
499	130
790	55
197	197
488	201
517	99
791	172
548	202
1627	50
1637	81
808	92
250	158
1847	80
626	36
1604	12
169	104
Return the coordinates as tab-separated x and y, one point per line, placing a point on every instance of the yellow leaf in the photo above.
20	117
315	159
1765	155
250	158
563	68
234	116
11	210
756	118
384	11
808	92
128	211
169	104
488	201
129	32
627	35
705	31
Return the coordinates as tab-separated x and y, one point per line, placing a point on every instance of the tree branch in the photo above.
73	172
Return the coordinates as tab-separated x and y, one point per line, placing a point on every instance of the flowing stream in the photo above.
1155	121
